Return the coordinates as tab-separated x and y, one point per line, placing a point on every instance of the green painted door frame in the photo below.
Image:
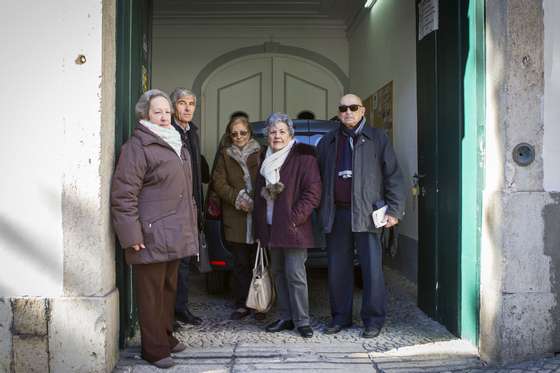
472	176
133	78
450	71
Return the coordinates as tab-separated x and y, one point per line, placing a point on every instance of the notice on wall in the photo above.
428	17
379	109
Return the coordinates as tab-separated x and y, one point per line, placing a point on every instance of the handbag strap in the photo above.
259	258
264	255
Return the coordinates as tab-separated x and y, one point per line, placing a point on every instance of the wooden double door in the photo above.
260	84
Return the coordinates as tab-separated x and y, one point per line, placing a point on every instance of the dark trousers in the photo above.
290	279
182	302
340	248
156	284
243	262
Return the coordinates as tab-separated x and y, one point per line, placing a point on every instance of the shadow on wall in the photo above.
37	254
551	216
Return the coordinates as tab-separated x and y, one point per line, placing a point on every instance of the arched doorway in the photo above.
262	83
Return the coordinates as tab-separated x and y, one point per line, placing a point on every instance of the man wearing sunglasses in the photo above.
360	174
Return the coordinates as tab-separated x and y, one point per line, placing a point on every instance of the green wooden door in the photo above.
472	174
440	70
133	78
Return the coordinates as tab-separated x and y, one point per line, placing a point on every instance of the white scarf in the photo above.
169	135
270	168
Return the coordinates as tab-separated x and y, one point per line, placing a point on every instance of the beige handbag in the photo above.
261	291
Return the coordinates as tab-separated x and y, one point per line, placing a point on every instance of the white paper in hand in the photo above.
380	217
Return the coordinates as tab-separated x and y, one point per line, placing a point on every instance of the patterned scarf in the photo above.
352	134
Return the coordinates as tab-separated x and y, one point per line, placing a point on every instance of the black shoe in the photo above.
305	331
371	332
280	325
335	328
187	317
259	316
239	313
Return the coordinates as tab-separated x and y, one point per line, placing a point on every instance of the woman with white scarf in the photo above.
287	190
233	180
154	216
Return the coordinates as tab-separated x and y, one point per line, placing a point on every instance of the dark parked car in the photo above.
306	131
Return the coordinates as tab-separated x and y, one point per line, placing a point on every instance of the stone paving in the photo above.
409	342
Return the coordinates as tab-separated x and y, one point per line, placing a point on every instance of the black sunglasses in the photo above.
353	107
239	134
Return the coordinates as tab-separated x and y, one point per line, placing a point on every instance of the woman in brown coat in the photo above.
154	216
233	181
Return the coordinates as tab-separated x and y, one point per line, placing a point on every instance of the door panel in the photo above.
246	86
301	85
428	224
440	71
450	111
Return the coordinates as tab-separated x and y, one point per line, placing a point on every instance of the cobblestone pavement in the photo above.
409	342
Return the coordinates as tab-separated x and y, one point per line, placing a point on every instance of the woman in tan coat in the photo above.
233	181
154	216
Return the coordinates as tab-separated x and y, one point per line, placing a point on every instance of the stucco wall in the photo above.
37	110
383	48
58	300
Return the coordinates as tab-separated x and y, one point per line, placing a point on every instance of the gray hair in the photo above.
142	107
275	118
179	93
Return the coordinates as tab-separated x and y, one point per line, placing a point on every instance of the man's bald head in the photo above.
348	117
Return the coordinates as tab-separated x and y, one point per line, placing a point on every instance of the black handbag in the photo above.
203	259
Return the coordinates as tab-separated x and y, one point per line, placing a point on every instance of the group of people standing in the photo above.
267	194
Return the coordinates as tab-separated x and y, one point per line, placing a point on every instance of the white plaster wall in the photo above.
180	52
50	128
383	48
551	143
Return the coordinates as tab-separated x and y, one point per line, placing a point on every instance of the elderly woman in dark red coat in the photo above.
154	216
288	188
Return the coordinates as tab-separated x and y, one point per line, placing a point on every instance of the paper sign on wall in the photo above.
428	17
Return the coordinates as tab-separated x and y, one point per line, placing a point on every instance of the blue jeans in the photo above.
340	249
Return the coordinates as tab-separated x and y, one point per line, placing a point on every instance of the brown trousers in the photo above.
156	285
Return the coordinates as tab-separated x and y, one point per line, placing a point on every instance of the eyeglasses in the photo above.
353	107
239	134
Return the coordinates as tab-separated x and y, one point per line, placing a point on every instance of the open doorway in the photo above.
361	50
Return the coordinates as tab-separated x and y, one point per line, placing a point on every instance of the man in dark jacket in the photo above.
360	174
184	103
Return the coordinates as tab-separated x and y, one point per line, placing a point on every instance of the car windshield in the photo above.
307	131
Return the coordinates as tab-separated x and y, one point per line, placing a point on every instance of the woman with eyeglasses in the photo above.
233	180
288	188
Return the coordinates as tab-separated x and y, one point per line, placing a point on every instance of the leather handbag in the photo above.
203	258
261	291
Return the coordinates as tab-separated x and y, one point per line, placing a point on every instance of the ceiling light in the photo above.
369	3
